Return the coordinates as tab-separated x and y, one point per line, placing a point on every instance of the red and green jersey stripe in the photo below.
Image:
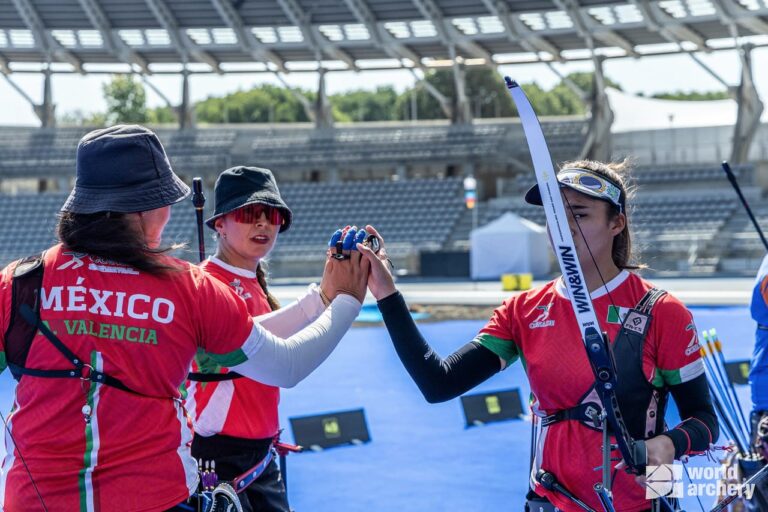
505	349
92	441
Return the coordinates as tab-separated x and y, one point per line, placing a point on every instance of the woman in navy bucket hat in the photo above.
123	169
236	420
98	421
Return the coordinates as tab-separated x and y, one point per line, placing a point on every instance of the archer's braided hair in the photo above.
261	275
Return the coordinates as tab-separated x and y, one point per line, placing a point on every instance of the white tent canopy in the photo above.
509	245
632	113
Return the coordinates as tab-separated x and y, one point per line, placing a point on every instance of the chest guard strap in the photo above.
635	394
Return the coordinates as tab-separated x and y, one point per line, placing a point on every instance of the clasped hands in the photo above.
357	260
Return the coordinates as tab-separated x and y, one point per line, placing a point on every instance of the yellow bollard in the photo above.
509	282
514	282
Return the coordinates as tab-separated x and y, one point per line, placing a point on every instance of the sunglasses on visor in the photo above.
592	185
249	214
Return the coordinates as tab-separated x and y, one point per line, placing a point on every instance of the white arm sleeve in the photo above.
290	319
286	362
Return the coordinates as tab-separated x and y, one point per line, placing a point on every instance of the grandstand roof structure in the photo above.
282	36
225	36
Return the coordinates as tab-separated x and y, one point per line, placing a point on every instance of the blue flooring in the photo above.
421	457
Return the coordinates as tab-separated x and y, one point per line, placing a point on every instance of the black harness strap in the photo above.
633	331
25	289
649	300
586	412
81	370
25	301
213	377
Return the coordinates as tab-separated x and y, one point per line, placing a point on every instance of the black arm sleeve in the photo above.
699	427
438	379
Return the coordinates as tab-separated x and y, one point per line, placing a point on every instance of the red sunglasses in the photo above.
250	213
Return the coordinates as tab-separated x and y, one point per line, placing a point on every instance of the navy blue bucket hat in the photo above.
240	186
123	169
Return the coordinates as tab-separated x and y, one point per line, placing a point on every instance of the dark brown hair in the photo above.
113	237
261	275
617	173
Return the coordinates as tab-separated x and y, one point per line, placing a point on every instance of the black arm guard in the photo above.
438	379
699	427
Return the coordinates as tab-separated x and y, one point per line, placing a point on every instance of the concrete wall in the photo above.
685	145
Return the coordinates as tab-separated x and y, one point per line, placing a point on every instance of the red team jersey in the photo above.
540	328
239	407
144	330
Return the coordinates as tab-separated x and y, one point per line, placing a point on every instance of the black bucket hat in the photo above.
123	169
240	186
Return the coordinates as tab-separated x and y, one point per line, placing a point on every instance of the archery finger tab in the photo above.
349	239
335	238
359	238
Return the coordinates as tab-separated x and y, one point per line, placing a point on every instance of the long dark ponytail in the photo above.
261	276
111	236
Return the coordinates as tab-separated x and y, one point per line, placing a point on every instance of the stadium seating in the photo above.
381	145
50	153
699	221
660	177
743	240
29	223
672	230
413	215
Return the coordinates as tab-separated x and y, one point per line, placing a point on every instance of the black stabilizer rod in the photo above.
550	483
735	184
198	200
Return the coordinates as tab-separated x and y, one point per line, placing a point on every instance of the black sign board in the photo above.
494	406
738	371
330	429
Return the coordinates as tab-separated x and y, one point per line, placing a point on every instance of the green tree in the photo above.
126	100
479	84
361	105
585	80
263	104
693	96
81	118
488	97
161	115
561	100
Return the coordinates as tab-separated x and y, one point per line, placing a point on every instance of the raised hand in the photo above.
381	282
345	271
